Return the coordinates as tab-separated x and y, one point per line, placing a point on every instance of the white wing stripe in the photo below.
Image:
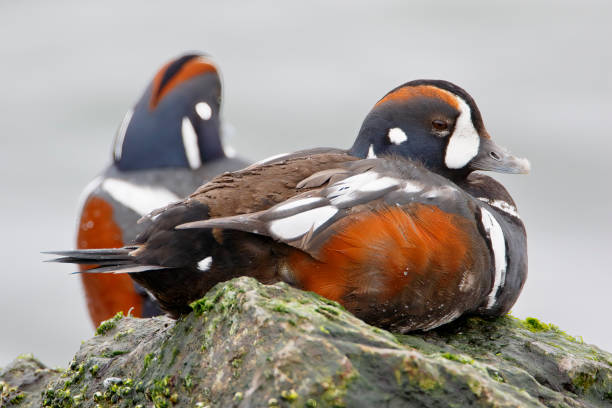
299	224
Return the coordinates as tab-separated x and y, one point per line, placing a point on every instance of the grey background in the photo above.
298	75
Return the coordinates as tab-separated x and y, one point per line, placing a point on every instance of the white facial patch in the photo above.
190	143
299	224
205	264
503	206
371	154
141	199
464	142
396	136
498	244
297	203
118	148
203	110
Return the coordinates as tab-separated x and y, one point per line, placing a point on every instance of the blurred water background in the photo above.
298	75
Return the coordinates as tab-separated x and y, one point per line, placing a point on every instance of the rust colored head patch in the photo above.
424	91
176	72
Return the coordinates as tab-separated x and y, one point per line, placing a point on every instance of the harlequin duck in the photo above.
408	240
166	146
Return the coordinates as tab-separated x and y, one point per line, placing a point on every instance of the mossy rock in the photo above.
252	345
22	381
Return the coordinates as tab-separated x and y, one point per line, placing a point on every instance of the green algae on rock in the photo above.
106	325
248	344
22	381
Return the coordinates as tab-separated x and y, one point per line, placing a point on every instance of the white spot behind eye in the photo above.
203	110
397	136
190	143
464	142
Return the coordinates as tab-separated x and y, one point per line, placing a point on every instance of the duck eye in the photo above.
439	125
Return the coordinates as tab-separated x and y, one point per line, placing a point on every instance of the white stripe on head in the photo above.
118	147
396	136
299	224
190	143
464	142
139	198
203	110
498	245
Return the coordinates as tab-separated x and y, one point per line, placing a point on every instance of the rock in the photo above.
25	379
251	345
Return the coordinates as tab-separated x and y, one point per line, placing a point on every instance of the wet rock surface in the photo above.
251	345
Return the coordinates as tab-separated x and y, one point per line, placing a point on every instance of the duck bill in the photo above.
492	157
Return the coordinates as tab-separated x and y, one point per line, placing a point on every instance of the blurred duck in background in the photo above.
166	146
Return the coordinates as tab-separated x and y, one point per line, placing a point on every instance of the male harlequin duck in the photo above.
397	229
167	145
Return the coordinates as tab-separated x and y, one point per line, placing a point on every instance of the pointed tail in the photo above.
109	260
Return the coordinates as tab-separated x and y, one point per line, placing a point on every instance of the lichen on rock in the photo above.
248	344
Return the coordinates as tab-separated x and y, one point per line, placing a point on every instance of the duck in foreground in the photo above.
167	145
398	229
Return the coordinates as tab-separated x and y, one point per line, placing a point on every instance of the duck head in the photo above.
438	124
176	121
